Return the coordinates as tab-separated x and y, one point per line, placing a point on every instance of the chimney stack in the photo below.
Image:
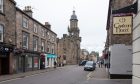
47	24
28	10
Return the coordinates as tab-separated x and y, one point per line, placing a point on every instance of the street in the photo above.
73	74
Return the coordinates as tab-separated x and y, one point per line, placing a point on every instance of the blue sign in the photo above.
51	56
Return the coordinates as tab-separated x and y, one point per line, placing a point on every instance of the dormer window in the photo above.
1	6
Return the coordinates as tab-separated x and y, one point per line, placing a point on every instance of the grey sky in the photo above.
92	16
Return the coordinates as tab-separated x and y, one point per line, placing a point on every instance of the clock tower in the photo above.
73	29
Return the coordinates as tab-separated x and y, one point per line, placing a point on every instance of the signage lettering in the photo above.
122	25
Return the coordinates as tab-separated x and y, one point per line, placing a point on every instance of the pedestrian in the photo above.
99	64
55	64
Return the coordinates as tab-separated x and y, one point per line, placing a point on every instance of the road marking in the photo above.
10	80
21	77
89	76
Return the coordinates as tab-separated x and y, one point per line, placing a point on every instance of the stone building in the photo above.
7	37
118	47
25	43
93	56
84	55
69	45
33	40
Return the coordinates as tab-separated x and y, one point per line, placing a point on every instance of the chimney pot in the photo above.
47	24
28	10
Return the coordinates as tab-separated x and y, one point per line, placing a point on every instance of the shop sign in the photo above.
122	24
4	49
51	56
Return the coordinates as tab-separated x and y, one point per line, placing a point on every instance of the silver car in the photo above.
90	65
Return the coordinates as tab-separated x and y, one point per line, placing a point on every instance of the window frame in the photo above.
27	42
2	33
1	4
43	32
35	43
25	22
35	28
42	45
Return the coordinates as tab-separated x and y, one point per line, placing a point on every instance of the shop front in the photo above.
27	61
51	58
6	59
47	60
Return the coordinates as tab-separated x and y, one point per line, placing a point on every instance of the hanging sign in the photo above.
122	24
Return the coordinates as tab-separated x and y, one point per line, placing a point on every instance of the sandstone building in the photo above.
118	48
7	35
25	43
69	45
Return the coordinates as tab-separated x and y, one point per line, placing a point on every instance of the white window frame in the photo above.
48	33
25	23
35	43
1	32
43	32
42	46
1	6
26	36
35	28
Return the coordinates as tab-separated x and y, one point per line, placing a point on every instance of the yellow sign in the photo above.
122	25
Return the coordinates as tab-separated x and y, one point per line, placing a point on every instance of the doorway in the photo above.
4	65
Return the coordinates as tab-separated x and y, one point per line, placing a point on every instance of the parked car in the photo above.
90	65
82	63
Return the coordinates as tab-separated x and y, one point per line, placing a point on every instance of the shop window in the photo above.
29	62
25	40
25	22
1	33
36	62
1	6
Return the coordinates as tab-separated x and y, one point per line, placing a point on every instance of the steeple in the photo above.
73	16
73	30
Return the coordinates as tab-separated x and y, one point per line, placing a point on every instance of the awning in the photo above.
51	56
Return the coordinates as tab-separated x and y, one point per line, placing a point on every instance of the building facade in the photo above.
69	45
36	44
84	55
136	48
7	37
119	38
25	43
93	56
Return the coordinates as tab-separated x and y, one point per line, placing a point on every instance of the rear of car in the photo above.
90	65
82	63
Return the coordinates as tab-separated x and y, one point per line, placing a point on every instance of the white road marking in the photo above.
89	75
10	80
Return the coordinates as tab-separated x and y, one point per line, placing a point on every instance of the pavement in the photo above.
22	75
100	73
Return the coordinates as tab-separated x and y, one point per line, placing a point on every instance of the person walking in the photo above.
55	64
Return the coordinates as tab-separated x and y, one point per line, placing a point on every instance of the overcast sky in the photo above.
92	16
